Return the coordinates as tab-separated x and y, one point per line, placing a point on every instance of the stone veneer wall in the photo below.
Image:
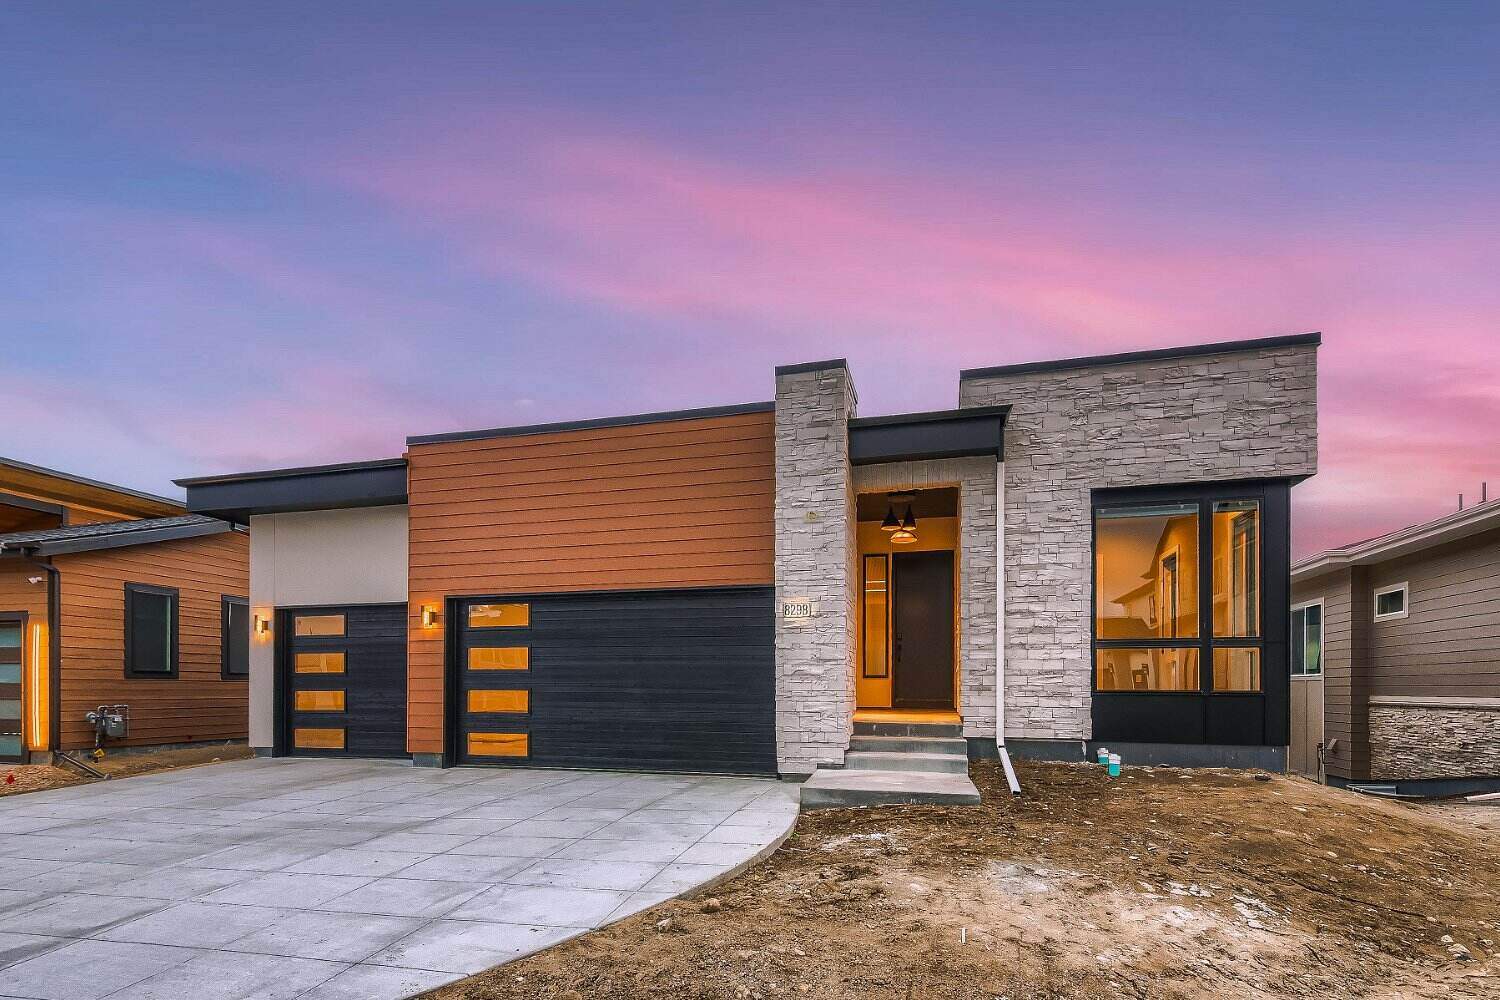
1245	414
815	555
975	479
1409	742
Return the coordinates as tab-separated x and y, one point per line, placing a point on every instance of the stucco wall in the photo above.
355	556
1245	414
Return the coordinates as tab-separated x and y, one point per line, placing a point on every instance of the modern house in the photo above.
1396	658
1082	551
109	596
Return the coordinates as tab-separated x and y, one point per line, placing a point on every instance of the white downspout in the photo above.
1010	771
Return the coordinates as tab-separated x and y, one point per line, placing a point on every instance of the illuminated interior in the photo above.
891	523
1148	630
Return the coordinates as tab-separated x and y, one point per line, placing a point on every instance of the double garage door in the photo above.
680	680
676	680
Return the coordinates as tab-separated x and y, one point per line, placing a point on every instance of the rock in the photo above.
712	905
1459	952
664	924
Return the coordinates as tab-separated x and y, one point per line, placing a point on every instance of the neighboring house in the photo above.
754	588
109	596
1396	658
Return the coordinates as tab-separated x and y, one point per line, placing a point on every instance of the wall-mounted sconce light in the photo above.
429	616
262	625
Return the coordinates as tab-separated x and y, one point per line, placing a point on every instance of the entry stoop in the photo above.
896	763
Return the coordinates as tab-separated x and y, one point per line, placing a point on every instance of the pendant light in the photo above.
906	533
890	523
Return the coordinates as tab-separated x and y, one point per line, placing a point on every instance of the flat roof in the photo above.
583	425
904	437
302	470
1405	541
1137	357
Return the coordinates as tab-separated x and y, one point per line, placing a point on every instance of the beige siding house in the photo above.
1396	657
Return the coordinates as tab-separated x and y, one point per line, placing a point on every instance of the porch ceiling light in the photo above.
891	522
902	537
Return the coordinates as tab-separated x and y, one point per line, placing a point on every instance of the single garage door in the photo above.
675	680
343	674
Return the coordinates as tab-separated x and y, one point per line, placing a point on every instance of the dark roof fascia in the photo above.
907	437
84	481
1138	357
30	503
121	539
812	366
281	491
584	425
304	470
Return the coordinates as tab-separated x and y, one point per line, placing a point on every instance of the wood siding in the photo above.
1448	645
198	704
677	503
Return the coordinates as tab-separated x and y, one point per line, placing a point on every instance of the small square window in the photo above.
1391	602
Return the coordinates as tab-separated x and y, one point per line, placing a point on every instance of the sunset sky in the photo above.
293	233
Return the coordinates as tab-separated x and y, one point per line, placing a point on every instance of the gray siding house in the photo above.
1396	658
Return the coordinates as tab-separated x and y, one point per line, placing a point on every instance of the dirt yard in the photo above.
18	778
1160	884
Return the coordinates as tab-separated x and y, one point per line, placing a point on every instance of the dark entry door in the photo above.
344	680
922	654
12	641
677	680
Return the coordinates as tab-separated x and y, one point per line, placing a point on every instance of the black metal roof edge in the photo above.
932	416
124	539
1135	357
85	481
31	503
812	366
305	470
583	425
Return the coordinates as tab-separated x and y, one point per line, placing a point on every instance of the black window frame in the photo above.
174	632
226	602
1204	498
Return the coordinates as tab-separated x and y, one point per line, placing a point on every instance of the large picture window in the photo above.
1159	624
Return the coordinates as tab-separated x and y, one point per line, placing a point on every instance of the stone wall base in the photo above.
1410	742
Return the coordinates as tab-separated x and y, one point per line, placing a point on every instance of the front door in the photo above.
922	627
12	634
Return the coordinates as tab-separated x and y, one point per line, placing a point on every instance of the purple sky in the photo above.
296	233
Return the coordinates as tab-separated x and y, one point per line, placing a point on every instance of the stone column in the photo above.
815	555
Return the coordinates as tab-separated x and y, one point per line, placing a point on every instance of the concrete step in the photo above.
911	744
931	729
950	763
835	789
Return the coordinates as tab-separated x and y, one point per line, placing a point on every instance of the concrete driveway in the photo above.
346	879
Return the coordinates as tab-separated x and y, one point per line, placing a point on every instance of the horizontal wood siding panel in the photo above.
198	704
672	504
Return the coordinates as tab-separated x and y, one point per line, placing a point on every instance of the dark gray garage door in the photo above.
342	676
679	680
